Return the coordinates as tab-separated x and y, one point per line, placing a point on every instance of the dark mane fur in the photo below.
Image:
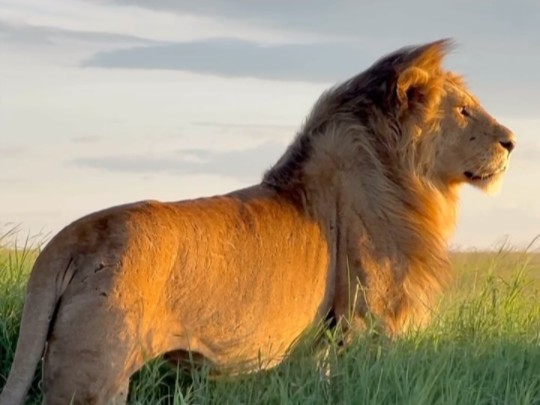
364	99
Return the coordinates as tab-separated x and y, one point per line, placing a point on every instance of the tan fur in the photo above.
351	222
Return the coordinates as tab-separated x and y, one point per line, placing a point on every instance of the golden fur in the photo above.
351	223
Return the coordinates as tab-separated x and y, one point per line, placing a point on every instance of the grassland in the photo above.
482	348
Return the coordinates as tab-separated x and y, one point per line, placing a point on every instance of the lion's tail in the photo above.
50	276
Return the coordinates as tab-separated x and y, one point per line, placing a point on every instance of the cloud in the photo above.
499	43
13	151
234	126
44	35
242	164
238	58
508	88
260	132
87	139
418	20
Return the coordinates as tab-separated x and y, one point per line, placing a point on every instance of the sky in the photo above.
105	102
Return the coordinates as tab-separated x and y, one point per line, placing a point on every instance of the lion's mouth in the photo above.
481	177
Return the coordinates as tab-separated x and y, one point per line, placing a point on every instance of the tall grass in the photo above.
15	265
483	347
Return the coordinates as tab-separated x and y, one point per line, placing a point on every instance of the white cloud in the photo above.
80	15
67	102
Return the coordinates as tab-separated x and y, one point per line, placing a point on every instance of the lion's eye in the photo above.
464	111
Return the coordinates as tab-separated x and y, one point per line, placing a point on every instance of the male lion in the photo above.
350	223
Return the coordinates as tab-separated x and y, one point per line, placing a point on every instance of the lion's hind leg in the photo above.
89	359
74	377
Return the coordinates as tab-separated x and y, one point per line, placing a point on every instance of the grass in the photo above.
483	347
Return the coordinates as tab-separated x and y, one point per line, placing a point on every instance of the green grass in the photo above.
482	348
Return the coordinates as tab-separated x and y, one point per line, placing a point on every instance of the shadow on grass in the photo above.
405	372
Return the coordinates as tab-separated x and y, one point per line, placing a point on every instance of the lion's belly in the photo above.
249	312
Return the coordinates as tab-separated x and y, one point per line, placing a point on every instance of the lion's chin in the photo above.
490	184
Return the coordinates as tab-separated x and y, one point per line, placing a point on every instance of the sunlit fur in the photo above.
351	223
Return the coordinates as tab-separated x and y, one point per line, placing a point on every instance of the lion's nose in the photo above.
507	139
508	145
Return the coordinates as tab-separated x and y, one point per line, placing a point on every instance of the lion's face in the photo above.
471	146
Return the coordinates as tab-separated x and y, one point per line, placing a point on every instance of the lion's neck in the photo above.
393	230
390	227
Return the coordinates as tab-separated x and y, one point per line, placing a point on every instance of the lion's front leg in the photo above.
350	305
361	304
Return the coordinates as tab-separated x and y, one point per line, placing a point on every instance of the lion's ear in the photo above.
419	78
413	89
428	57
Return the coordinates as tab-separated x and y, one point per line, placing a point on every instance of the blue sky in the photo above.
105	102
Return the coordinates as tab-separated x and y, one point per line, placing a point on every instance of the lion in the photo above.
351	224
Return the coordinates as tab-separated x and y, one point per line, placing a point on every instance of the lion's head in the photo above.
471	146
452	138
406	111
